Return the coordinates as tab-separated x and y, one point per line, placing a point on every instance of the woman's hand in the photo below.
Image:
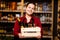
20	35
39	36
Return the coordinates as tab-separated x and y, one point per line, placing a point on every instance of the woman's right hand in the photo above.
20	35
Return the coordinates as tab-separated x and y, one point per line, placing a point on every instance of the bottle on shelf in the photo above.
48	17
13	5
10	17
2	5
45	7
36	6
25	6
43	18
50	7
40	7
22	25
40	17
17	16
19	6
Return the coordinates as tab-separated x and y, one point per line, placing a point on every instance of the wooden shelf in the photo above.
7	21
43	12
47	36
14	22
46	22
7	35
2	31
24	11
10	11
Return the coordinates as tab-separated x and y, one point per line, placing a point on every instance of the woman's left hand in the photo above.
38	36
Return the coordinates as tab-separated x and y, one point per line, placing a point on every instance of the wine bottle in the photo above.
22	25
36	7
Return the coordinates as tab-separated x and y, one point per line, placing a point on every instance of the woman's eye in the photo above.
33	8
29	7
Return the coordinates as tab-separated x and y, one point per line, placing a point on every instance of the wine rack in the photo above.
12	9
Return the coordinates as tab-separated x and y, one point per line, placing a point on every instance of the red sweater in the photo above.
17	26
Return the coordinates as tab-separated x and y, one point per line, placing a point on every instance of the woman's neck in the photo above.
28	16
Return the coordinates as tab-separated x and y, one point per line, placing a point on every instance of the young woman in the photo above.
26	19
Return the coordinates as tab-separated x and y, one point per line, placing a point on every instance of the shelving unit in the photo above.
58	21
9	13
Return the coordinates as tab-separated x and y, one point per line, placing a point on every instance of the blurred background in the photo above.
47	10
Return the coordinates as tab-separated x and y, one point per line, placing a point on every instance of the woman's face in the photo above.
30	9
